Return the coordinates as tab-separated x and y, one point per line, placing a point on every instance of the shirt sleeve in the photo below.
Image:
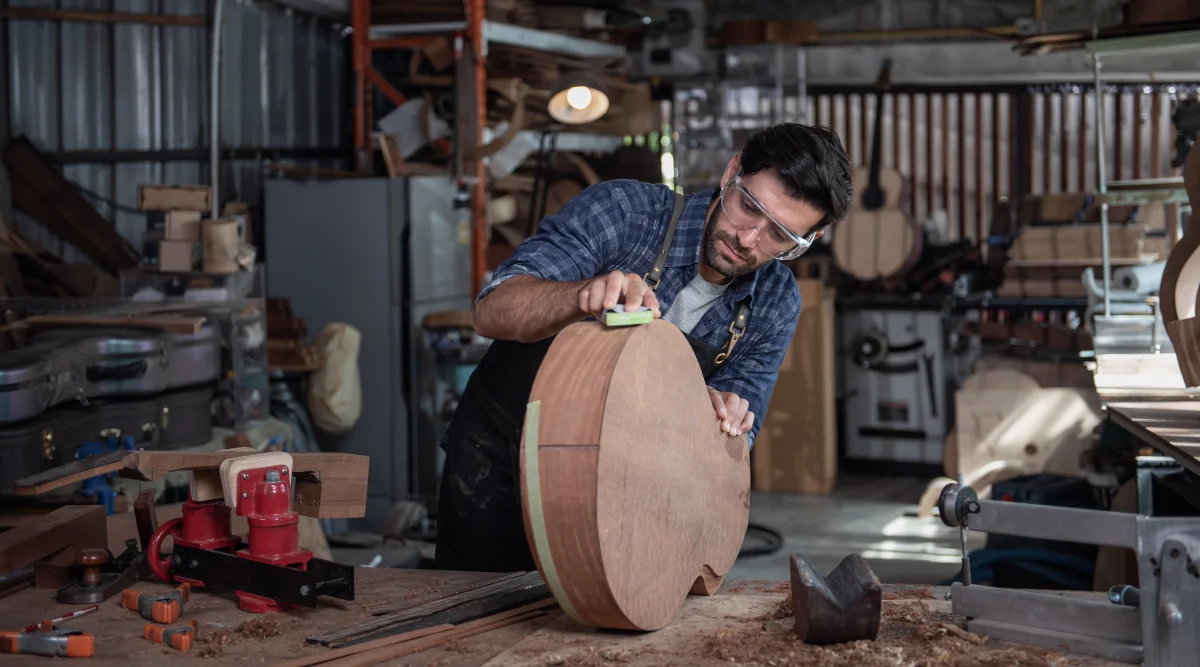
575	243
752	374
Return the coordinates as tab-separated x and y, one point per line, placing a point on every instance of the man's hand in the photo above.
605	292
733	411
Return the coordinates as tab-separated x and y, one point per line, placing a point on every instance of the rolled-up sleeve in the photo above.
752	374
575	243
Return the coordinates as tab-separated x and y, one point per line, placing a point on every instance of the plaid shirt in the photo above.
620	225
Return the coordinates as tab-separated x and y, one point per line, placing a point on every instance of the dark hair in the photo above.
810	161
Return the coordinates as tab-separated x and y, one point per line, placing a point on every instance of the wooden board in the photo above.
1171	427
632	495
328	486
1180	287
796	448
52	541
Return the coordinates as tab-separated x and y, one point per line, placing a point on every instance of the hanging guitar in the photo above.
878	240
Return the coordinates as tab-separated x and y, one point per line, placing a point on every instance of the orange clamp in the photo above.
179	638
158	608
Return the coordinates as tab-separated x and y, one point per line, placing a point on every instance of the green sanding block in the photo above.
617	317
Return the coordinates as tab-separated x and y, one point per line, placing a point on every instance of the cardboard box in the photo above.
176	256
174	197
182	226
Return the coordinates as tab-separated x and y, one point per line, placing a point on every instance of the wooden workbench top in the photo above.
1171	427
746	622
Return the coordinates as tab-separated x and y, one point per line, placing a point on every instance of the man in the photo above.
705	263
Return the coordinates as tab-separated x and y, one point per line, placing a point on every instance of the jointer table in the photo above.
745	622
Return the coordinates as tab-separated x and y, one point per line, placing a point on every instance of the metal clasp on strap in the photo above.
736	329
652	283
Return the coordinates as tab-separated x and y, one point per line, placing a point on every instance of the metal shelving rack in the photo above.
762	85
471	43
1153	190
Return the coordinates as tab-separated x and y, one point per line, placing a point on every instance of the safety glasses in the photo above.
746	212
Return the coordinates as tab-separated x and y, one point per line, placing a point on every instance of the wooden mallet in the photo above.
842	607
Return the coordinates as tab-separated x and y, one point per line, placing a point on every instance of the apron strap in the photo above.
653	276
736	329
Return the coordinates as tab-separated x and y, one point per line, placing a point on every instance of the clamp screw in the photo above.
304	589
284	471
245	475
245	494
193	564
1172	614
178	560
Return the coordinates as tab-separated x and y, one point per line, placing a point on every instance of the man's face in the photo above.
738	237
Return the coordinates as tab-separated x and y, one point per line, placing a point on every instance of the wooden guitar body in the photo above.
877	245
878	240
1180	287
632	495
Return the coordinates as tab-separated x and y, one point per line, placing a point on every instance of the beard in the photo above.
715	258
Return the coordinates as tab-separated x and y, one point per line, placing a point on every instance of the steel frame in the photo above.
366	40
1159	629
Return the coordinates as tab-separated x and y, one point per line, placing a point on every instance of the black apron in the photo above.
480	527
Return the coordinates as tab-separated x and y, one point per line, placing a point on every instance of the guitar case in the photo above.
86	364
170	420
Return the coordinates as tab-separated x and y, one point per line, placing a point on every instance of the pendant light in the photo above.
577	98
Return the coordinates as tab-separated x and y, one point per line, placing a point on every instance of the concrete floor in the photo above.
872	516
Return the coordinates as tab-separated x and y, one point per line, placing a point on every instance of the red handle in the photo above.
162	566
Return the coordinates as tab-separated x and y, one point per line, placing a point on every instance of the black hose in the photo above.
772	538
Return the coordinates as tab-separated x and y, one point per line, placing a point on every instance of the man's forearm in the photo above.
527	309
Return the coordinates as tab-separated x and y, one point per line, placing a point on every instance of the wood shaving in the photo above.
260	627
214	643
909	594
781	587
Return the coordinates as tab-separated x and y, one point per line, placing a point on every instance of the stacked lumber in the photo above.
27	269
1036	45
41	191
1059	237
286	349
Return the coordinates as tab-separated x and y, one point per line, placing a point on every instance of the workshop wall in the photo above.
123	104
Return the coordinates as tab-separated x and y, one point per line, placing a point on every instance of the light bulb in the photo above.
579	97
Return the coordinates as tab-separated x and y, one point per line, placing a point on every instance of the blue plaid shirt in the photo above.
620	226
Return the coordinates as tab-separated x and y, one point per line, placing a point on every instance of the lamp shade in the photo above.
577	98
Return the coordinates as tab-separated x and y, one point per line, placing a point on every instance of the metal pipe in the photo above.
1102	177
917	33
214	119
38	14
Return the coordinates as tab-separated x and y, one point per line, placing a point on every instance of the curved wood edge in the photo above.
565	390
1180	266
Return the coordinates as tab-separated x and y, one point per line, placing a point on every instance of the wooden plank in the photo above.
167	323
930	191
1138	98
1064	146
386	619
67	529
41	191
70	473
1171	427
344	474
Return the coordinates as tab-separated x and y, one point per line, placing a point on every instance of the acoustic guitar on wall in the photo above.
878	239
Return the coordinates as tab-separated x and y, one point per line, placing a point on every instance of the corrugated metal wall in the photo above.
96	95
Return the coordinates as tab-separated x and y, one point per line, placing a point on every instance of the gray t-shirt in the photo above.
692	302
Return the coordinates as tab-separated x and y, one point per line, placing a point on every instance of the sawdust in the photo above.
781	587
214	643
434	586
785	609
909	594
594	656
260	627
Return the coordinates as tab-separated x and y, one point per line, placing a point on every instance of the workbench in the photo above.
744	623
1170	426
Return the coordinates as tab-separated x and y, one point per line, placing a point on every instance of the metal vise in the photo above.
1155	624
